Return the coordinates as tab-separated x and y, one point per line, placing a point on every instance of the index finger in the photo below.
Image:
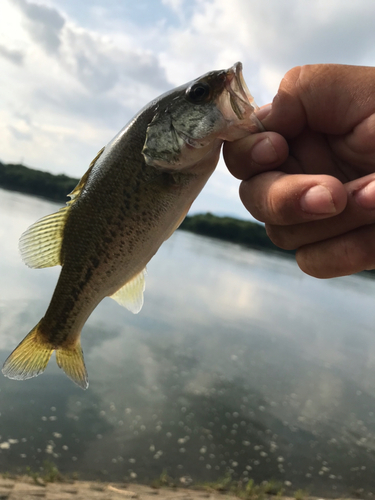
255	153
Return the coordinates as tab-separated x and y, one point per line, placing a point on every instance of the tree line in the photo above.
19	178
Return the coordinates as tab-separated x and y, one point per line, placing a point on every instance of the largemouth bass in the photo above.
134	195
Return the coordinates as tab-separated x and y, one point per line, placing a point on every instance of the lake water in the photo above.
238	363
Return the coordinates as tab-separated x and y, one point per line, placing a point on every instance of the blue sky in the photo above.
72	73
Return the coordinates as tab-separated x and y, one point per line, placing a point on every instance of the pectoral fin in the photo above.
131	294
40	244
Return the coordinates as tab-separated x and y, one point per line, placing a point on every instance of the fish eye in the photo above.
198	92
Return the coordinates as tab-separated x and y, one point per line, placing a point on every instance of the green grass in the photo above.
301	494
48	474
245	489
163	481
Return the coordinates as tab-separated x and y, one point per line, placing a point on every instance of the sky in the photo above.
73	73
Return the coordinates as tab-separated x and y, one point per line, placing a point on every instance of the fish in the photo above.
134	195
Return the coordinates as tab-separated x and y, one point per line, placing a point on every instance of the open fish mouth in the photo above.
241	100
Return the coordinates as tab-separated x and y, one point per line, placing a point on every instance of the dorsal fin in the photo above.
131	294
77	190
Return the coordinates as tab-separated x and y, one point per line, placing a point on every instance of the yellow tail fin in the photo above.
31	356
71	361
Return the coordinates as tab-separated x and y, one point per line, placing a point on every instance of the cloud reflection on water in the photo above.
237	362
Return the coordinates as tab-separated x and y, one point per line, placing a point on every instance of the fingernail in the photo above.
365	197
318	200
263	152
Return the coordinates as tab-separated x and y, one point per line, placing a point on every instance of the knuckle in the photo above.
305	257
254	199
289	80
340	256
281	237
272	198
356	250
280	204
347	256
273	207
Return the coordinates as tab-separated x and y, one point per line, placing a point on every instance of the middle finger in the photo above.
359	211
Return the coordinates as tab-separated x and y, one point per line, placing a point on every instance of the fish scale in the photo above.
134	195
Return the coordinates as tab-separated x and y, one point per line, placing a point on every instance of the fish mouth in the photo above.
240	98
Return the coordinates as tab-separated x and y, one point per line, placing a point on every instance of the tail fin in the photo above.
31	356
71	361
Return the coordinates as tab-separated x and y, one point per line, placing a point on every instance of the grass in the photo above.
163	481
247	490
49	474
243	489
300	494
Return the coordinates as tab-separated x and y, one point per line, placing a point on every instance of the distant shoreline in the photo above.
16	177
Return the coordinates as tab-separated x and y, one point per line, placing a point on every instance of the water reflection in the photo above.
237	362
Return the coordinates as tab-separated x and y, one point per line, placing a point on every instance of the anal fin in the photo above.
130	295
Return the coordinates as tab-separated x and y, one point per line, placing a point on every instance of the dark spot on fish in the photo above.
76	291
69	304
88	274
95	261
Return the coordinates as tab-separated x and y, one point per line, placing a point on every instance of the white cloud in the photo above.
72	91
43	23
270	37
73	73
13	55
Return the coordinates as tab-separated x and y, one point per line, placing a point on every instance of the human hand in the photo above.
321	139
